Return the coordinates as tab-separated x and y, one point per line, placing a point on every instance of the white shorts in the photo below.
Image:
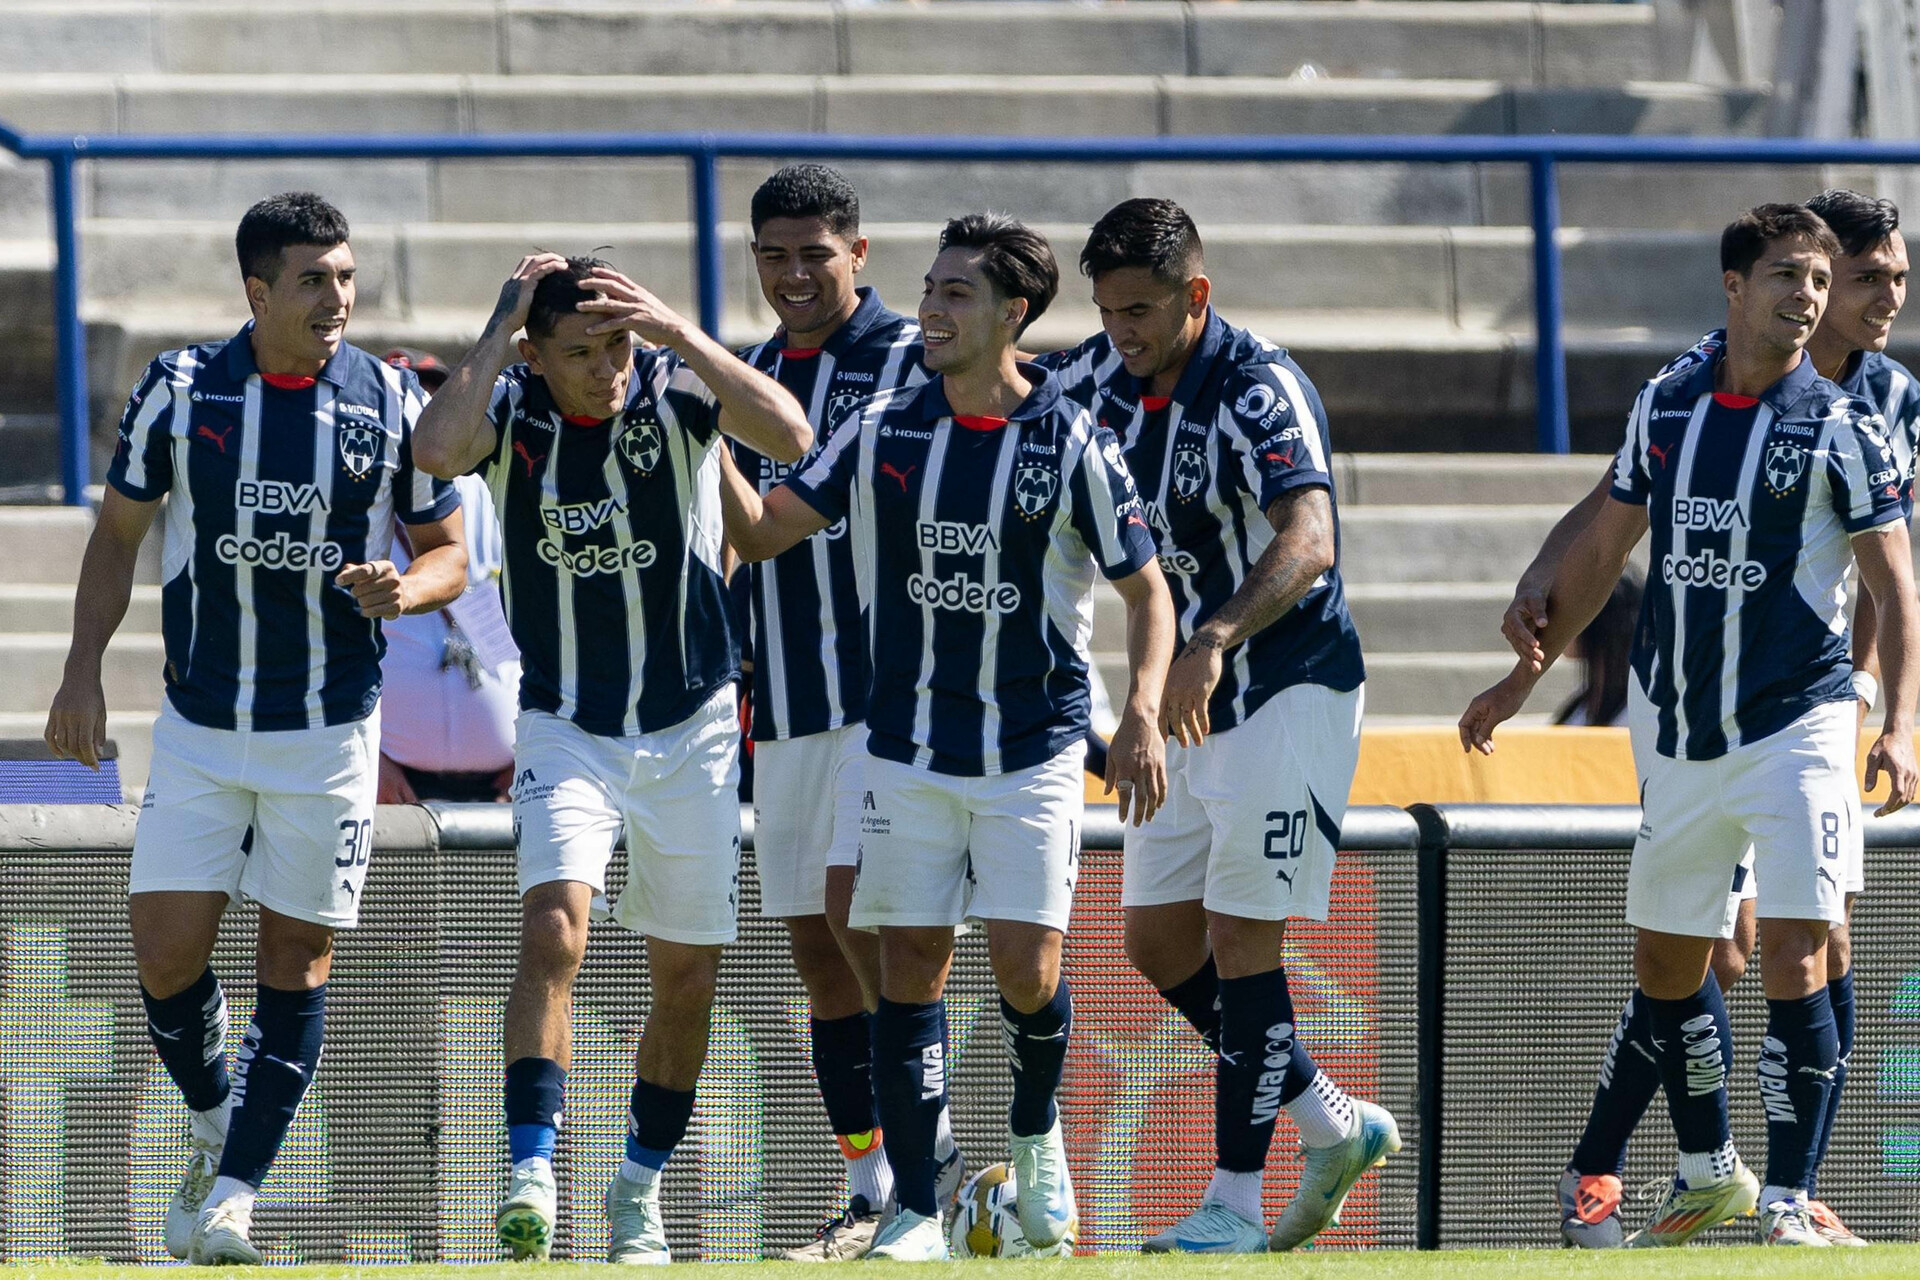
307	794
1790	798
940	850
806	815
676	792
1251	826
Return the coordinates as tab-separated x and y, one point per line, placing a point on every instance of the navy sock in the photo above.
1629	1079
1263	1066
1038	1041
278	1057
843	1066
536	1094
1796	1078
1840	996
1694	1044
657	1119
189	1032
910	1081
1198	1001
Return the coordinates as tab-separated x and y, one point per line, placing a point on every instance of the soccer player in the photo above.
981	503
1760	481
287	453
1868	291
603	459
837	345
1229	442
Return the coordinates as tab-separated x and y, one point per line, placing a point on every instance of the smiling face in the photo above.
965	323
806	275
300	316
1777	303
1869	289
586	375
1152	323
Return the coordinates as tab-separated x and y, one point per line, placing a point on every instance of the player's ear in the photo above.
531	354
1731	282
1199	294
858	252
1015	314
258	291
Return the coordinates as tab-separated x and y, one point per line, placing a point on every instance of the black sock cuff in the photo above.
192	1000
1048	1020
1801	1013
1203	985
659	1116
1840	989
536	1091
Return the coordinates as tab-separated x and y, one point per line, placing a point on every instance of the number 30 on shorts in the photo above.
1288	840
356	841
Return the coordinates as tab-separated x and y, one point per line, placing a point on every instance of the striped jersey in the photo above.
979	539
611	575
1751	504
810	666
1243	426
275	485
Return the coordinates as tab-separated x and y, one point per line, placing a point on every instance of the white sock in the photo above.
943	1143
1699	1168
232	1191
871	1177
634	1171
1239	1192
210	1127
1770	1193
1323	1114
535	1161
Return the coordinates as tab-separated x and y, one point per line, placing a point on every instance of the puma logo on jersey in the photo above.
1659	451
519	447
219	438
888	469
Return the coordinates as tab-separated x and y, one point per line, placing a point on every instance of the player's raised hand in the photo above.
378	588
624	304
1492	709
1190	684
516	295
77	722
1137	768
1525	619
1892	754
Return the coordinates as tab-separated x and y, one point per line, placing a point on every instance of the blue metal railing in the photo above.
1542	157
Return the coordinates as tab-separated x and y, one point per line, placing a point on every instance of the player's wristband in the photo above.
1866	688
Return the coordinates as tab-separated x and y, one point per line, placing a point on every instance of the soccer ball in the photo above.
986	1220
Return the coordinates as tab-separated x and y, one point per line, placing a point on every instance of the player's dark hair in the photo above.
280	222
1015	257
559	294
808	191
1862	223
1605	648
1748	235
1155	234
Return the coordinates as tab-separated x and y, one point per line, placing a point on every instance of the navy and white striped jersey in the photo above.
1751	504
979	540
810	667
273	490
1243	426
611	579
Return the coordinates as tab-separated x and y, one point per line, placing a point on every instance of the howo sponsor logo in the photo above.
1718	514
1707	569
962	594
277	497
591	560
953	537
278	552
581	517
200	396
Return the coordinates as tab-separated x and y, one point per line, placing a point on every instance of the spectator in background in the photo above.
1603	650
450	703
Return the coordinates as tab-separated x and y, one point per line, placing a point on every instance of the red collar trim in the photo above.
975	422
581	420
1155	404
799	353
287	381
1728	400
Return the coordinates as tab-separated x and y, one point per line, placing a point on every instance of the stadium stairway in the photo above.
1405	289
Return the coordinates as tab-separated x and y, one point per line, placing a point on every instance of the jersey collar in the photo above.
1780	397
1040	401
241	364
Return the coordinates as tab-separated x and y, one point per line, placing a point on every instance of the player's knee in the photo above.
1026	981
684	979
167	965
552	945
1163	960
832	989
1669	967
295	955
1839	952
1729	964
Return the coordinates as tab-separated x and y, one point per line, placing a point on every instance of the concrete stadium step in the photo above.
43	546
1393	544
131	732
35	660
1521	43
1451	479
46	607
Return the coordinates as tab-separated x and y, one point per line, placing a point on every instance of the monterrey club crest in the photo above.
359	450
1189	472
1786	462
641	442
841	403
1033	488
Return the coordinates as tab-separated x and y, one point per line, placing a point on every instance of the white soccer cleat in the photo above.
1590	1211
637	1235
183	1211
949	1176
526	1216
1790	1222
1212	1228
1684	1212
910	1237
1831	1229
220	1237
1047	1211
846	1238
1330	1172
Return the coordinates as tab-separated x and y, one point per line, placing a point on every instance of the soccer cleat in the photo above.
1330	1172
1790	1222
1212	1228
842	1239
948	1177
183	1211
1684	1212
1831	1229
1047	1212
910	1237
1590	1210
525	1218
636	1234
220	1237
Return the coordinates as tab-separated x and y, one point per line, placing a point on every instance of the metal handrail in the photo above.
1541	154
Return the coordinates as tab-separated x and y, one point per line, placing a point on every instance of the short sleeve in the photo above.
1632	482
142	466
1104	509
824	479
1272	420
418	498
508	390
1868	485
691	402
